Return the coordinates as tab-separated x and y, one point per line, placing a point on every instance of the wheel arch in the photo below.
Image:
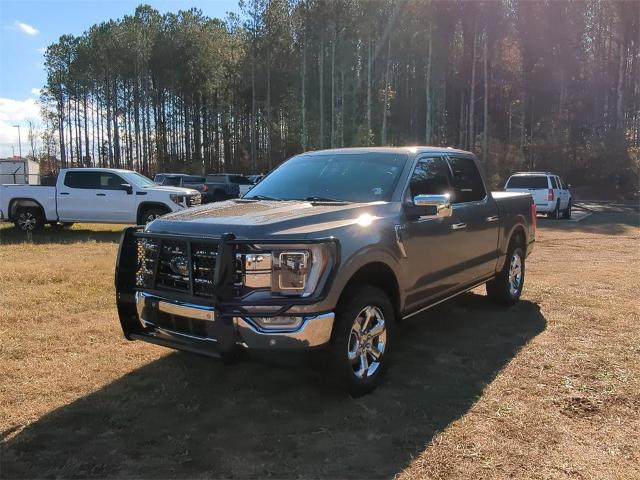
517	233
144	206
24	202
377	274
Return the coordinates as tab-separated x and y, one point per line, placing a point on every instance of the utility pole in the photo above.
19	141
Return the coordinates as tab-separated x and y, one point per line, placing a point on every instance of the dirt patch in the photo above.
548	389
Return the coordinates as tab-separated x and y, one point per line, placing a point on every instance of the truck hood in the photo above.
176	190
262	219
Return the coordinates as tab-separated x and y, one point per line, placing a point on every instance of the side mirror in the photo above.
438	206
127	188
568	186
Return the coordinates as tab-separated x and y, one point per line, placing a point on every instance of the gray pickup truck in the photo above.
329	251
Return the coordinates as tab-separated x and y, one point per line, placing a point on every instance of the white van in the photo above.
550	193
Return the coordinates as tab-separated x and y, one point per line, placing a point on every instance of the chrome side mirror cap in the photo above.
442	204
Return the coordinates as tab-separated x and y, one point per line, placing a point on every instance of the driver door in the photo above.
114	203
434	262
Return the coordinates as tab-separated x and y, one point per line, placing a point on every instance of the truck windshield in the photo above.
349	177
171	181
140	181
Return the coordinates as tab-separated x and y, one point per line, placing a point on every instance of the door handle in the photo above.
100	194
64	193
493	218
458	226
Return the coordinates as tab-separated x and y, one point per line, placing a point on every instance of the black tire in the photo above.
151	214
566	214
60	226
29	219
346	341
556	212
219	196
503	289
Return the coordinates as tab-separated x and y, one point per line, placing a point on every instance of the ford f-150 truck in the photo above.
92	195
330	250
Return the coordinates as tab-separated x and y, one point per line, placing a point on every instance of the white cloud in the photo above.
26	28
35	92
16	112
41	50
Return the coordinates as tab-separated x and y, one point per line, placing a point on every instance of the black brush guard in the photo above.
222	296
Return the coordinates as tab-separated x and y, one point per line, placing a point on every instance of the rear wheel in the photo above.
219	196
29	219
506	287
360	345
556	211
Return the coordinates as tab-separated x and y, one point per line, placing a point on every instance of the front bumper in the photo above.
201	329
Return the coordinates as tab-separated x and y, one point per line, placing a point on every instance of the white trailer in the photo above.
19	170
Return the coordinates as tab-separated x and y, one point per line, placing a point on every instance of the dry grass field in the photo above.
547	389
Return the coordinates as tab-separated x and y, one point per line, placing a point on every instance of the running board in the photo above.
447	298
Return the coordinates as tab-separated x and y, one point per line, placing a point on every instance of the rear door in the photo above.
563	193
76	196
475	219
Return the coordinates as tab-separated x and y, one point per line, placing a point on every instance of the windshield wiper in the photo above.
325	199
261	197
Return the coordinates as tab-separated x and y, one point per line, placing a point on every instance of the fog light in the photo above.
278	322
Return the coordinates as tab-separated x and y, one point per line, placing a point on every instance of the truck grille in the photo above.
177	266
194	200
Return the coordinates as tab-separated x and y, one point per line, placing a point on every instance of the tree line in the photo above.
523	84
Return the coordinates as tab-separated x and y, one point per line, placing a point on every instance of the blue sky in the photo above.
27	27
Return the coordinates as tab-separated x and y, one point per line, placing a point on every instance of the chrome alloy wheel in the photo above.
367	342
515	274
27	221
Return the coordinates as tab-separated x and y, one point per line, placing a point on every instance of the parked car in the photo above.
93	195
255	178
550	193
196	182
224	186
329	251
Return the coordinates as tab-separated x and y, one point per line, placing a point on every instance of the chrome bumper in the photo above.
314	331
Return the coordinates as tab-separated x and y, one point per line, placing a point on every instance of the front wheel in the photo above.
150	215
362	334
506	287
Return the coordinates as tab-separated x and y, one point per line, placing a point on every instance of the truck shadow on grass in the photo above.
50	235
189	416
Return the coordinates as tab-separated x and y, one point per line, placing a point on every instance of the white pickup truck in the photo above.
92	195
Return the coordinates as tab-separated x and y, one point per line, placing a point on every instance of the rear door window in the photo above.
528	181
554	184
78	179
467	181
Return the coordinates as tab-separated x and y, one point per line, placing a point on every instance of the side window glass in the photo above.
553	182
109	181
430	177
77	179
561	184
467	181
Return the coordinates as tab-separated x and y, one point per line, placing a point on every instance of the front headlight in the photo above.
177	198
288	269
